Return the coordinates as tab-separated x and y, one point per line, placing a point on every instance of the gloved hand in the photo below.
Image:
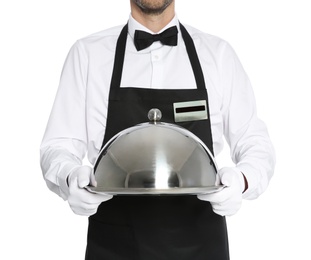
81	201
229	200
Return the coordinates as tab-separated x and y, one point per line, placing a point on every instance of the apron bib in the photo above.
156	227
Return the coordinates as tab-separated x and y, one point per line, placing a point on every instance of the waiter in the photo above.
154	61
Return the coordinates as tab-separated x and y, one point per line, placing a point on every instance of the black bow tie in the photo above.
143	39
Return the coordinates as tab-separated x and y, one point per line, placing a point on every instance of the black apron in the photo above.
155	227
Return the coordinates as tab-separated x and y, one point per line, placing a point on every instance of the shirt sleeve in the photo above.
250	146
65	140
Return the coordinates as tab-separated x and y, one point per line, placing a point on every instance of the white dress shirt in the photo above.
78	119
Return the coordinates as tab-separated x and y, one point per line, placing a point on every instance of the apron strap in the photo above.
119	59
193	57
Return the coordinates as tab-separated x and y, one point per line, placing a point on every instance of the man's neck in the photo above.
153	22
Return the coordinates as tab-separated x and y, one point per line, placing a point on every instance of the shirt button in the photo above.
156	57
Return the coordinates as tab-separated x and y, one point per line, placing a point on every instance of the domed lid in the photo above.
155	158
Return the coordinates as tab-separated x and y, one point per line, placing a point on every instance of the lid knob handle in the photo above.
154	115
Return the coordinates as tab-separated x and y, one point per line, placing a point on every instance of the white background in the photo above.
272	39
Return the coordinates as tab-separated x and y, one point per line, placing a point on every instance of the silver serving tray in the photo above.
153	191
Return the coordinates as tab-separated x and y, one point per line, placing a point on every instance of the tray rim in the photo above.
153	191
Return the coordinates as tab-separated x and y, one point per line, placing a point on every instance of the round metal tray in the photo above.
153	191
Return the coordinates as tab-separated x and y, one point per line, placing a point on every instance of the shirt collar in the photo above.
134	25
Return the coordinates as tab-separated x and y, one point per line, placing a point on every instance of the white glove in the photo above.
229	200
81	201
